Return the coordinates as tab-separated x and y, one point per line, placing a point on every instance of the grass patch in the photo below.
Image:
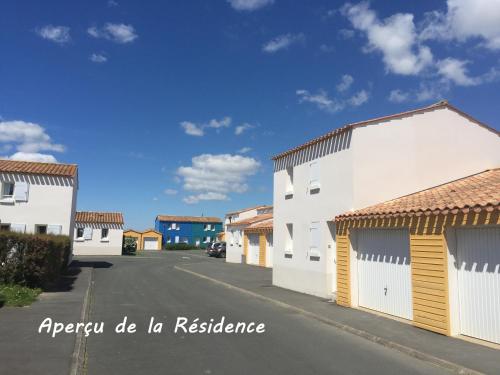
16	295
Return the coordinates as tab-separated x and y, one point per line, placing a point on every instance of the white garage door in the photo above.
384	273
253	249
150	243
479	282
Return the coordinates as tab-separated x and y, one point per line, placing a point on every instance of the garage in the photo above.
384	272
150	243
253	249
478	256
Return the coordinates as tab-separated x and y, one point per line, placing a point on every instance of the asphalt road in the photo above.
142	287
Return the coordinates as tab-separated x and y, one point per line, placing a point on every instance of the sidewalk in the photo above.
22	349
380	329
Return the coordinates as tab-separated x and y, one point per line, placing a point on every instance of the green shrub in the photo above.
129	245
32	260
179	246
17	295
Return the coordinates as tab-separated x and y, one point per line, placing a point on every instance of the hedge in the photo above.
32	260
179	246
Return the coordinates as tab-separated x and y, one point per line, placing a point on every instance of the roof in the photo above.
99	217
251	220
345	128
189	219
30	167
477	192
249	209
262	225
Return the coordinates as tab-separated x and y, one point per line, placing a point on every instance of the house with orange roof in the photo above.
38	197
259	243
98	233
431	257
359	165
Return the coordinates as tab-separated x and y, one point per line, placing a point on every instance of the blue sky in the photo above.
176	107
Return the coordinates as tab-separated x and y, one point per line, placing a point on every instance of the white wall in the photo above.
97	246
270	250
234	244
368	165
51	201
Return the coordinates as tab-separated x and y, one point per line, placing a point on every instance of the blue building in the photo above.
193	230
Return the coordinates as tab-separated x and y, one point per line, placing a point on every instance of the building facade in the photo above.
359	165
235	224
148	239
431	257
38	197
193	230
98	233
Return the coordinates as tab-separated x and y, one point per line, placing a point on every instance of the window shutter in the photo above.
20	228
315	240
21	191
314	173
87	233
54	229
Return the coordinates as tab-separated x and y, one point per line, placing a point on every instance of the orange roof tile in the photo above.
189	219
99	217
251	220
477	192
266	225
441	104
30	167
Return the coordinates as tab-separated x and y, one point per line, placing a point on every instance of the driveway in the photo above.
145	286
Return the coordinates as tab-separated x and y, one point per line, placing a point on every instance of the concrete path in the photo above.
147	286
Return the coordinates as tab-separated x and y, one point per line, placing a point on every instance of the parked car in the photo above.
218	250
209	246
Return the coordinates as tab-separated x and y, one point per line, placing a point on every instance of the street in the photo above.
149	286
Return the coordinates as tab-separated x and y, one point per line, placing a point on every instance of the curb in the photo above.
78	357
450	366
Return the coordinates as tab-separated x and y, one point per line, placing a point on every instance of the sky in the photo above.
176	107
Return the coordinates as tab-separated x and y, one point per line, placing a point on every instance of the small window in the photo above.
40	229
173	226
169	239
314	244
289	238
314	176
104	233
7	190
4	227
289	181
79	233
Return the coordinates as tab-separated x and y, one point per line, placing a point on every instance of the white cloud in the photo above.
282	42
345	83
326	48
249	5
464	20
240	129
332	105
33	156
456	71
398	96
112	3
56	34
214	177
395	37
198	130
27	137
346	33
98	58
115	32
244	150
170	192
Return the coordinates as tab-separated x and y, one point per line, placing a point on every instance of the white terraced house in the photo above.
98	233
38	197
359	165
234	224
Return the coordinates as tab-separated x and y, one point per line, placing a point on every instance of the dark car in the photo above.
218	250
210	246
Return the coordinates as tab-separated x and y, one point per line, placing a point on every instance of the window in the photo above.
314	239
79	233
173	226
41	229
289	181
54	229
169	239
104	233
289	238
19	228
232	238
184	240
7	190
314	176
4	227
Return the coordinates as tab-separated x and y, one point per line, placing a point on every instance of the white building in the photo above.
98	233
235	223
259	237
38	197
359	165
